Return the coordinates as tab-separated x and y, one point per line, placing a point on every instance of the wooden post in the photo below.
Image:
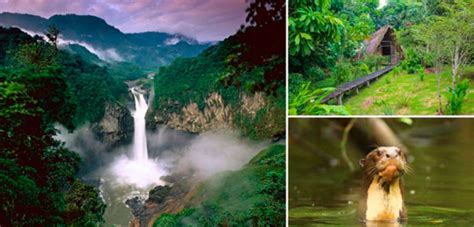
339	99
368	83
357	90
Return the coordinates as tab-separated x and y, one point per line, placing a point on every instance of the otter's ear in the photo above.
362	162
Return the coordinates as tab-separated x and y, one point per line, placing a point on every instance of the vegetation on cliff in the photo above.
252	196
37	64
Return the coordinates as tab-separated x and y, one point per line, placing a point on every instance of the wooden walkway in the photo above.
356	84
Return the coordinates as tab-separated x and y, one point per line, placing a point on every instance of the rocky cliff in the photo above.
253	114
116	127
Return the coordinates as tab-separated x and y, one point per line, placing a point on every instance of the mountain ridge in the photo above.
150	49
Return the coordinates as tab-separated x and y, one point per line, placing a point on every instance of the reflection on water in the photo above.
440	191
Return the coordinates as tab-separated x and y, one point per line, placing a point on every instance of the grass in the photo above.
405	94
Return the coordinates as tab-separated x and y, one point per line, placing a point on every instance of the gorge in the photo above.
156	160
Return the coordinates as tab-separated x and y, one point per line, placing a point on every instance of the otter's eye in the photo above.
379	153
386	155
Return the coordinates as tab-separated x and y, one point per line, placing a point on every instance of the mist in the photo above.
172	151
214	152
108	55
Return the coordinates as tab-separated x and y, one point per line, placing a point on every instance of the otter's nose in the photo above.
392	153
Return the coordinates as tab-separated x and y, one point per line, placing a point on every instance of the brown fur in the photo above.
383	168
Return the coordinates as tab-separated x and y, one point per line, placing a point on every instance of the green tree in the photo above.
52	34
459	37
35	170
36	55
83	208
312	30
455	33
401	13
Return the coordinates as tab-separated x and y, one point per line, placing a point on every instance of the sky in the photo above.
204	20
383	3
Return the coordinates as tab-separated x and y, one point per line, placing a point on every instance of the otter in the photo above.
383	186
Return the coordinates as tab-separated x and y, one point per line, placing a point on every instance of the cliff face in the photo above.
218	115
215	115
116	127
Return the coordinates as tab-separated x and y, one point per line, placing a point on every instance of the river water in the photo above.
440	191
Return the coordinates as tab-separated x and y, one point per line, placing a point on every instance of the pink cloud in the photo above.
205	20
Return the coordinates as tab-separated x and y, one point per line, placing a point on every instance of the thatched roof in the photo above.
371	45
374	42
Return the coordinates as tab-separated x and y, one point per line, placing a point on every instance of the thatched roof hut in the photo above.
383	42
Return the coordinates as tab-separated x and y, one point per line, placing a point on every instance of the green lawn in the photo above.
405	94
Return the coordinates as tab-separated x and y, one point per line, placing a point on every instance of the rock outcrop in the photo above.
216	114
116	127
165	199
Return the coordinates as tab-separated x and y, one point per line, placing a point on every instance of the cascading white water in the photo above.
138	170
140	151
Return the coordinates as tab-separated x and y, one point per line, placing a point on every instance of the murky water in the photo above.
440	191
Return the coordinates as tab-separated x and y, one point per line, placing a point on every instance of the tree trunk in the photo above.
455	66
440	104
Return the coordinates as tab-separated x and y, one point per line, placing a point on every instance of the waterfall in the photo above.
136	169
140	152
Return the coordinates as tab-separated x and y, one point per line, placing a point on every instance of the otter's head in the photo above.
388	163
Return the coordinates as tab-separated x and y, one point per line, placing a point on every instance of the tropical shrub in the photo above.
396	71
456	97
364	69
295	81
308	102
343	72
421	73
315	73
374	62
412	61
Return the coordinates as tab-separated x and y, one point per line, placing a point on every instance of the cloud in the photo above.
108	55
204	20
